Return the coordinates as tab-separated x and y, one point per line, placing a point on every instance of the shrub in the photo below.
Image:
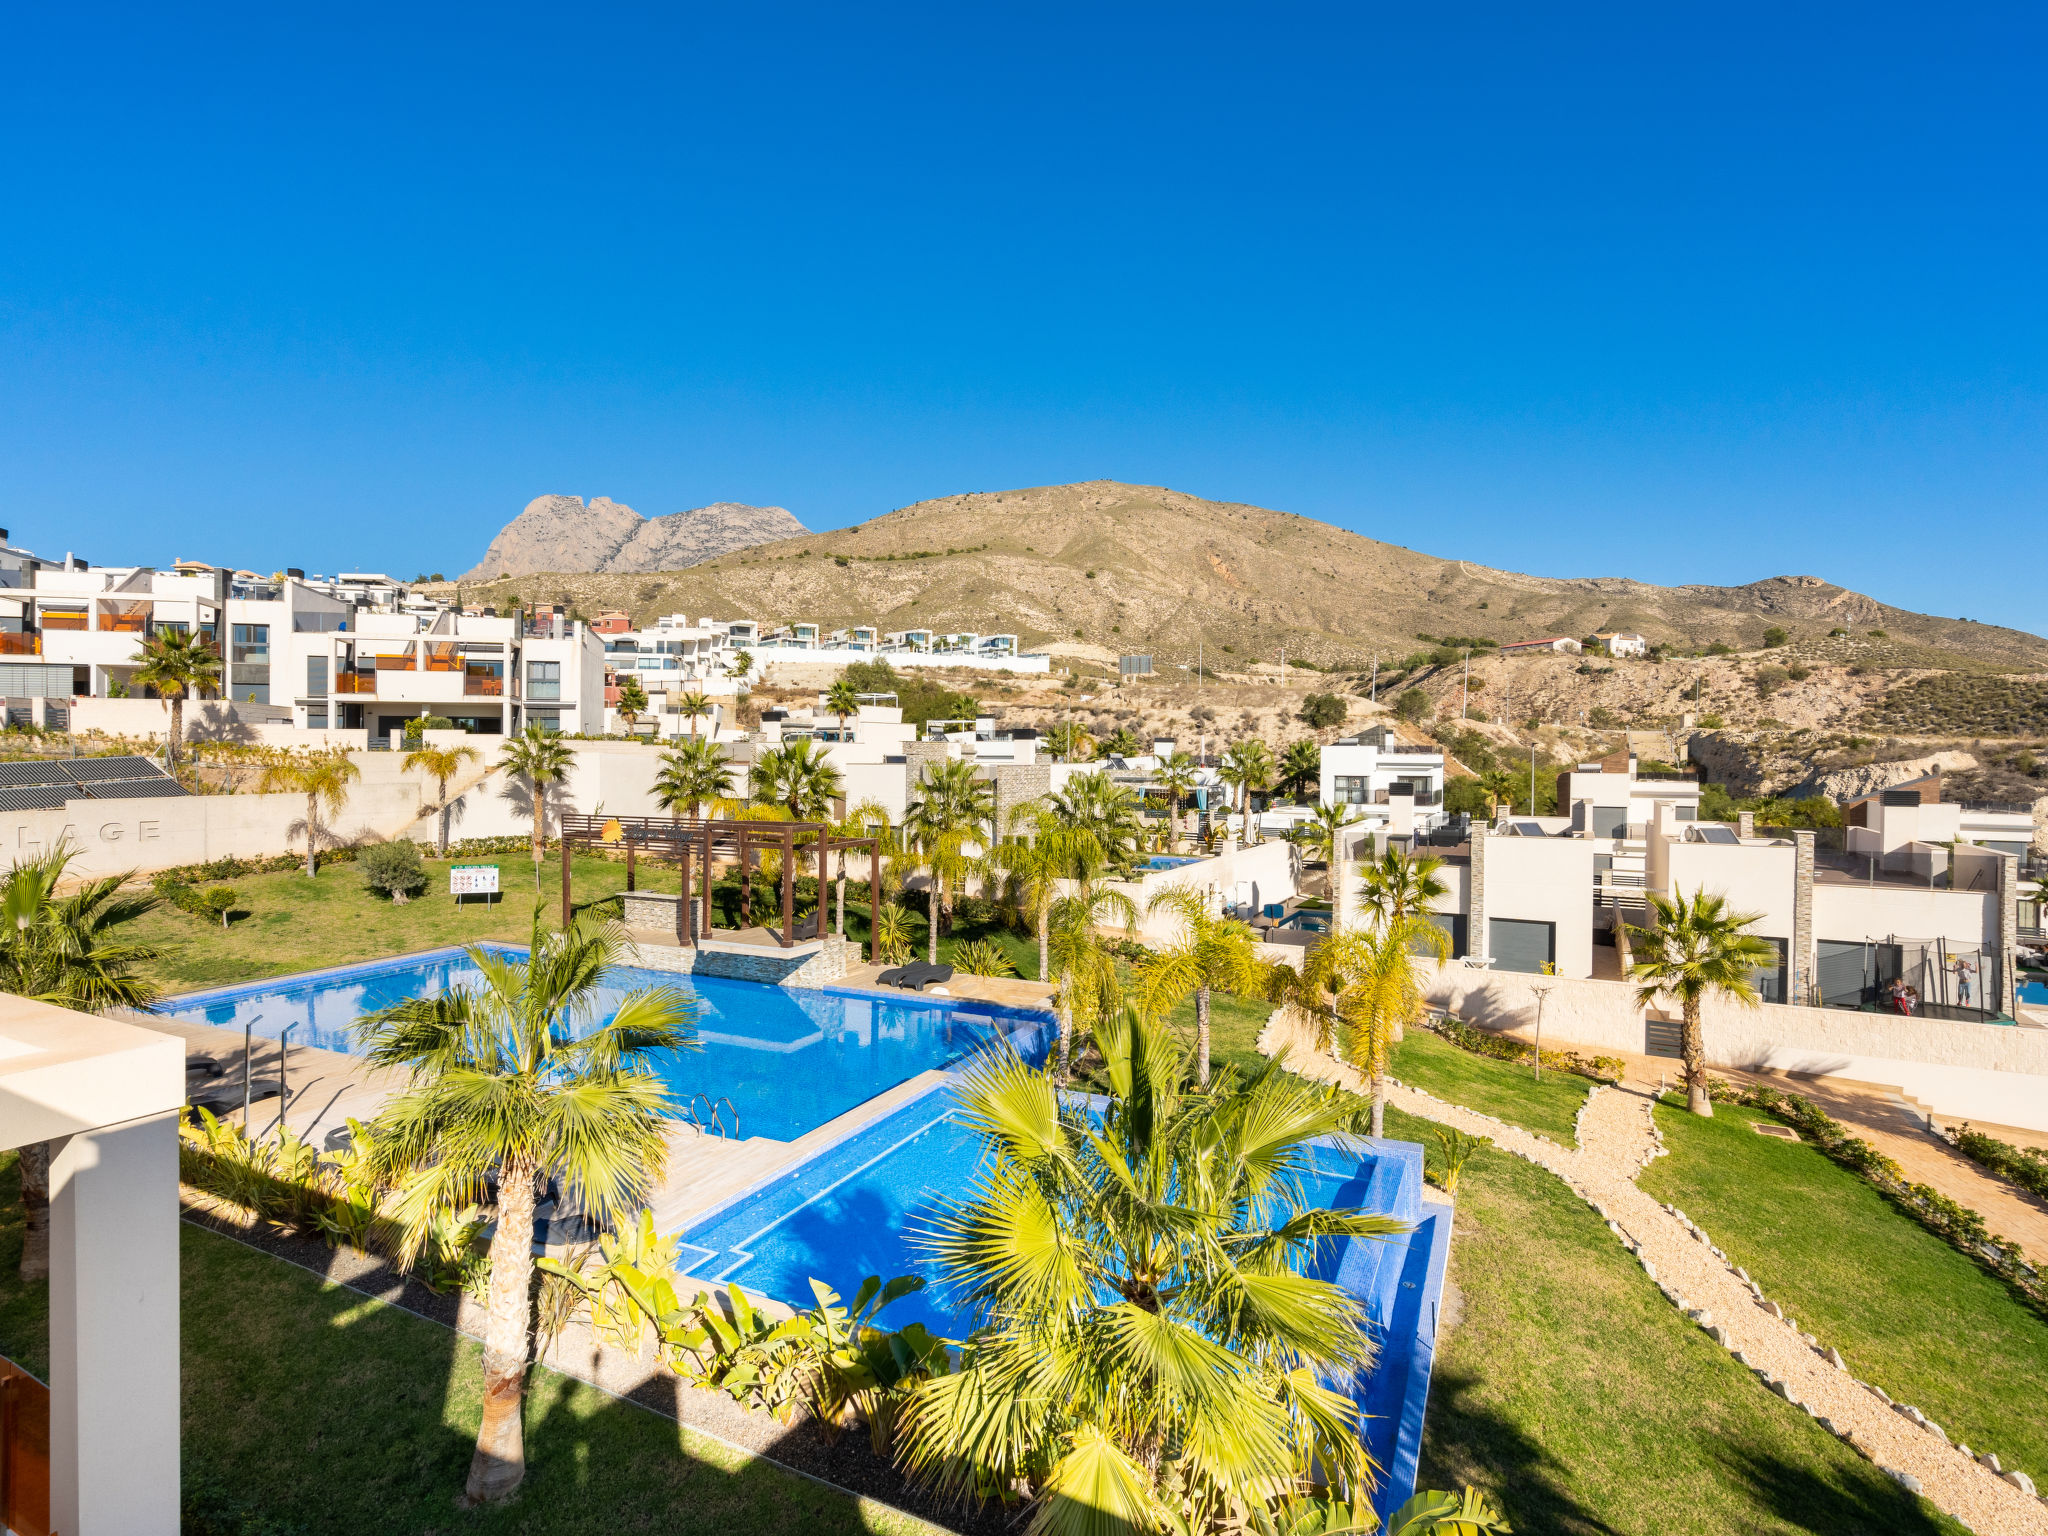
1321	710
1797	673
1412	705
1774	636
1769	680
1711	722
1601	718
982	957
1483	1042
2024	1166
394	870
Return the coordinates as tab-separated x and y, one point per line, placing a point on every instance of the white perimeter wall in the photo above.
1985	1072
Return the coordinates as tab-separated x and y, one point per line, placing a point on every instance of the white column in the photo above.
114	1331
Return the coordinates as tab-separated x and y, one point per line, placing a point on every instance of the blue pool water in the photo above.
854	1209
1166	861
2034	991
788	1059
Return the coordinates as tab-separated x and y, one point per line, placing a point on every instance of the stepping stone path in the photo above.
1618	1138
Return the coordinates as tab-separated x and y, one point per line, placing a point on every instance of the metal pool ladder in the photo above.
714	1117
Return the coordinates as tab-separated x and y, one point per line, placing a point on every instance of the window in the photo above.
1610	820
1769	980
1454	925
1352	789
316	717
316	678
543	679
252	643
1685	813
1517	945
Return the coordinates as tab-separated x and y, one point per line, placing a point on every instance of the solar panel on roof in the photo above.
87	769
130	789
1716	834
1529	828
33	773
34	797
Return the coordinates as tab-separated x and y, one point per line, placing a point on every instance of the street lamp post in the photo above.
1542	993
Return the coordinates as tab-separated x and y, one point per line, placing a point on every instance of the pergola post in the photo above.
629	863
874	901
704	912
684	926
824	867
565	880
746	879
788	887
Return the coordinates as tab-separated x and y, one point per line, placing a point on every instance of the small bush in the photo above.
1412	705
1481	1042
1322	710
1774	636
394	870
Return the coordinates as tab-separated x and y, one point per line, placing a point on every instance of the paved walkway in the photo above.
1617	1138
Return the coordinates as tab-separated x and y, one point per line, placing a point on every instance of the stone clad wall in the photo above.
818	968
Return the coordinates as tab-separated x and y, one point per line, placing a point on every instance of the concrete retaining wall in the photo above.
1988	1072
805	967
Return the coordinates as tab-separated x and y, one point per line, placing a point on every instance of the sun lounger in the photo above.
916	976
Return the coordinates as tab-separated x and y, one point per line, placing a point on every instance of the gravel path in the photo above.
1617	1139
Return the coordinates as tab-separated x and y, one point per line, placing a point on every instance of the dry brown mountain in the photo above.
1140	568
560	533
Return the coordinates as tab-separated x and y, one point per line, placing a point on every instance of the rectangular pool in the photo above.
788	1059
853	1210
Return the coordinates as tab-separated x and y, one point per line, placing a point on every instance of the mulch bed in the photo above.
847	1464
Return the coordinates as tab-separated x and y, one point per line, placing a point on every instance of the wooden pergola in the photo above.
694	845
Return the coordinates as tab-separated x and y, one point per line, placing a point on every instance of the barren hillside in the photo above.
1140	568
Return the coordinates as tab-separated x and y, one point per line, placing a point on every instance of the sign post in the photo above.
473	880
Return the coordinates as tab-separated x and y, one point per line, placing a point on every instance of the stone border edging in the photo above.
1986	1497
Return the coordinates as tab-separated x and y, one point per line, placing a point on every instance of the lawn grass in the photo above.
1907	1311
1571	1390
310	1409
1549	1108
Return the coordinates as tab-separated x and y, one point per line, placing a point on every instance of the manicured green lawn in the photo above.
1906	1310
1574	1392
1549	1108
312	1409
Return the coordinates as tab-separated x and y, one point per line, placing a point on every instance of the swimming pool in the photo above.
2034	991
789	1059
851	1211
1157	861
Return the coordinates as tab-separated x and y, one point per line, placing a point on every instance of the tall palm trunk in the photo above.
500	1462
35	1210
1696	1098
1045	941
540	829
177	727
444	819
312	836
1202	1035
839	896
1066	1018
931	919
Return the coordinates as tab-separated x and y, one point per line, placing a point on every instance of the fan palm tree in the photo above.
693	706
1695	946
515	1082
1400	886
1123	743
1051	854
1320	835
541	758
741	664
695	775
843	699
1153	1351
323	778
950	816
797	776
65	950
440	764
1301	765
1086	985
868	819
1248	768
174	663
1210	952
1176	775
632	701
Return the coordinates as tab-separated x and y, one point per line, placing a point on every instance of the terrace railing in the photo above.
24	1452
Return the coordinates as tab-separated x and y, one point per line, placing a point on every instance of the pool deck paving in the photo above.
1617	1138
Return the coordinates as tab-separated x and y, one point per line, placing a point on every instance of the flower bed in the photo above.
1484	1042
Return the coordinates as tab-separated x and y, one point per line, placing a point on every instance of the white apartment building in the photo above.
352	652
1621	642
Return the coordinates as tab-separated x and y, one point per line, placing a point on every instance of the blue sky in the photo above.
1681	293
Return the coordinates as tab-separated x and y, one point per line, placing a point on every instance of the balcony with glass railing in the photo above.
20	643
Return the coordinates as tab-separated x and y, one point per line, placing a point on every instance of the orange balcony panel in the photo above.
121	623
16	644
355	682
483	687
63	620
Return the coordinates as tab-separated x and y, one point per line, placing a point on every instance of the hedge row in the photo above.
2024	1166
1484	1042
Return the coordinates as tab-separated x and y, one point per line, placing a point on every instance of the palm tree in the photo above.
741	664
1086	985
1053	852
695	774
1358	988
1400	890
541	758
440	764
632	702
868	819
1211	952
1176	775
1696	946
1301	765
514	1082
1248	768
1070	742
1152	1344
693	706
1320	835
175	662
951	813
797	776
65	950
1124	743
323	778
1110	812
843	699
